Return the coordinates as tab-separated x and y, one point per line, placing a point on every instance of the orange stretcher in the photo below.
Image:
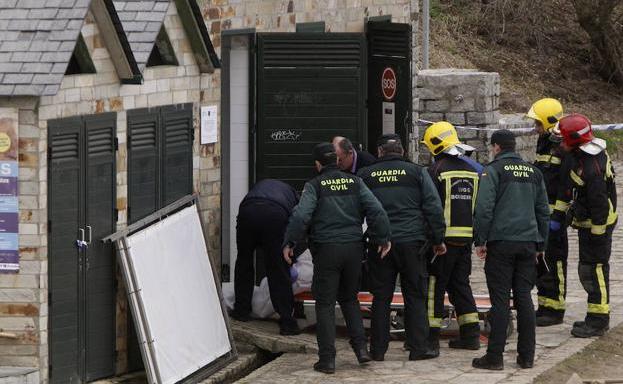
483	305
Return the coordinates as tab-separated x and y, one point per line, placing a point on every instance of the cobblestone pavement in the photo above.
554	344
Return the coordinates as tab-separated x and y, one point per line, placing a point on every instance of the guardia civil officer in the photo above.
552	269
412	204
332	209
511	224
594	216
456	179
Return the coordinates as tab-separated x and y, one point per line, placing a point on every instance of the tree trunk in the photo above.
607	42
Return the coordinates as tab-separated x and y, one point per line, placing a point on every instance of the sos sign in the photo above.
388	83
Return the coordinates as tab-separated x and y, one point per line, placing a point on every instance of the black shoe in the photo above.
429	354
240	317
363	356
290	330
472	344
525	364
486	362
327	367
584	330
548	320
379	357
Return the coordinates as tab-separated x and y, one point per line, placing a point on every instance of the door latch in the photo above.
80	243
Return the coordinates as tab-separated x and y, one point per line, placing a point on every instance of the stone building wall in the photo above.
467	98
21	314
24	296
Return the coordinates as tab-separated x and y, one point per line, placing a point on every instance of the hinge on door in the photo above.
116	143
49	298
49	371
116	215
49	153
49	226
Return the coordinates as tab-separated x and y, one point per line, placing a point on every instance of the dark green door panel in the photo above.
64	264
100	222
82	178
310	88
176	144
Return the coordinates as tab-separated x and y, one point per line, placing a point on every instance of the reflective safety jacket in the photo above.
512	203
457	184
408	195
332	208
595	201
549	160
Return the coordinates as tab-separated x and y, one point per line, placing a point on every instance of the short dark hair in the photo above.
324	153
505	139
390	144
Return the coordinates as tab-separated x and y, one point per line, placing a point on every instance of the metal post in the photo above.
426	33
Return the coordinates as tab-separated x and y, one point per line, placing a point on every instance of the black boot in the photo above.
429	354
488	362
472	343
362	354
548	320
524	363
584	330
433	341
325	366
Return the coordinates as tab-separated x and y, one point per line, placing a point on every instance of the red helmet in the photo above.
576	130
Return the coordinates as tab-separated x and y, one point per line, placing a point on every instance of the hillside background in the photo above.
538	47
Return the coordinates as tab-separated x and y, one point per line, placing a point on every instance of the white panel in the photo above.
239	141
180	299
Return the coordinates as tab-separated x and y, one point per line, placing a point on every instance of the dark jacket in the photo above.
549	159
596	198
456	181
512	203
332	208
274	191
409	197
364	159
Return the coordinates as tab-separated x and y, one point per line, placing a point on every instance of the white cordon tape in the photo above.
603	127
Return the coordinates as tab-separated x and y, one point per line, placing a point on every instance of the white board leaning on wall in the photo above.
179	297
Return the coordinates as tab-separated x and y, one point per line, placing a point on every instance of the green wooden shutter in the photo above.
176	144
143	163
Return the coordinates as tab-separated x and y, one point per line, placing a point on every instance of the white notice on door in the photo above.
389	119
209	133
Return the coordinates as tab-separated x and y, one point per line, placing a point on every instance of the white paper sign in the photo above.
209	132
389	119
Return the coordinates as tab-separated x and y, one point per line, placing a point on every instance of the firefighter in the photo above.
511	225
594	216
332	208
412	204
552	269
456	178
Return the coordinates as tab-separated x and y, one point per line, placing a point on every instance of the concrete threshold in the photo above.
19	375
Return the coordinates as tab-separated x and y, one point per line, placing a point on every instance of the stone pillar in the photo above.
461	97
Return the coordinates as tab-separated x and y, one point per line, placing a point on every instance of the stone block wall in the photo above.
24	296
461	97
469	98
22	317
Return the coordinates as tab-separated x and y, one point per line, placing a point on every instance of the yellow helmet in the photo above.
547	111
440	136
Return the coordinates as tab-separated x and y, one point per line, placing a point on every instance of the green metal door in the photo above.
81	194
310	88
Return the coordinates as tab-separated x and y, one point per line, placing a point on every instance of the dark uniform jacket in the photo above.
512	203
364	159
456	180
549	159
595	192
333	206
274	191
409	197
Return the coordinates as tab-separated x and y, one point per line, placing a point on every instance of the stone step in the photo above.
19	375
